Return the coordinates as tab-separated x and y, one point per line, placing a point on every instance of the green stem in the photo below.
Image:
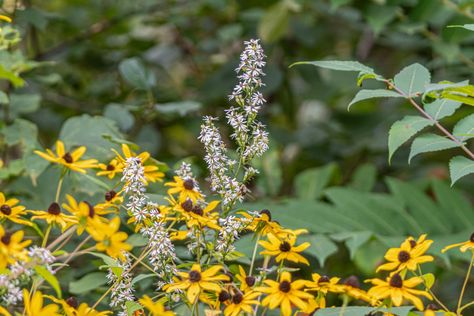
254	255
58	190
435	298
466	279
46	235
466	306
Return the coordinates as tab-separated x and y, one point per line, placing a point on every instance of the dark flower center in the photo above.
285	286
110	168
323	278
237	298
72	302
67	158
188	184
352	281
187	205
223	296
412	243
194	276
432	307
91	209
198	210
403	256
472	238
5	209
396	281
285	246
54	209
110	195
6	238
250	280
267	212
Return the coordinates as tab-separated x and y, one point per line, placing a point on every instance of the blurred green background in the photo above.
149	70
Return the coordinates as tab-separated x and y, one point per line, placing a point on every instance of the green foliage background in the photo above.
99	72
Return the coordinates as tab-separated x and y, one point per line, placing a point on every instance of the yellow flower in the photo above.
4	312
398	289
203	217
5	18
11	211
11	247
151	171
463	246
54	215
155	308
324	284
70	160
112	203
195	281
241	303
84	212
34	305
111	169
285	293
108	238
262	223
314	305
72	308
408	256
351	287
246	281
284	249
185	188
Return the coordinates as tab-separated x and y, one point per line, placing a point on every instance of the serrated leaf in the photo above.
370	94
464	129
50	278
459	167
442	108
88	283
412	79
428	143
402	130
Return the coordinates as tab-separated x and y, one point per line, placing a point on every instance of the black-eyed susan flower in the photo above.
313	305
5	18
34	305
284	249
246	281
410	254
84	212
71	307
54	215
186	188
324	284
109	238
241	302
151	171
397	289
154	308
284	294
195	281
11	211
203	217
351	287
262	223
71	160
463	246
12	248
111	169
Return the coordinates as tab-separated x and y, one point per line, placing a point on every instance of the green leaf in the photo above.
137	240
140	277
120	114
353	240
24	103
338	65
337	3
135	73
370	94
34	166
132	307
469	27
378	16
364	177
274	23
21	132
50	278
464	129
310	183
4	98
442	108
88	283
321	247
412	79
402	130
12	77
428	279
181	108
428	143
459	167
